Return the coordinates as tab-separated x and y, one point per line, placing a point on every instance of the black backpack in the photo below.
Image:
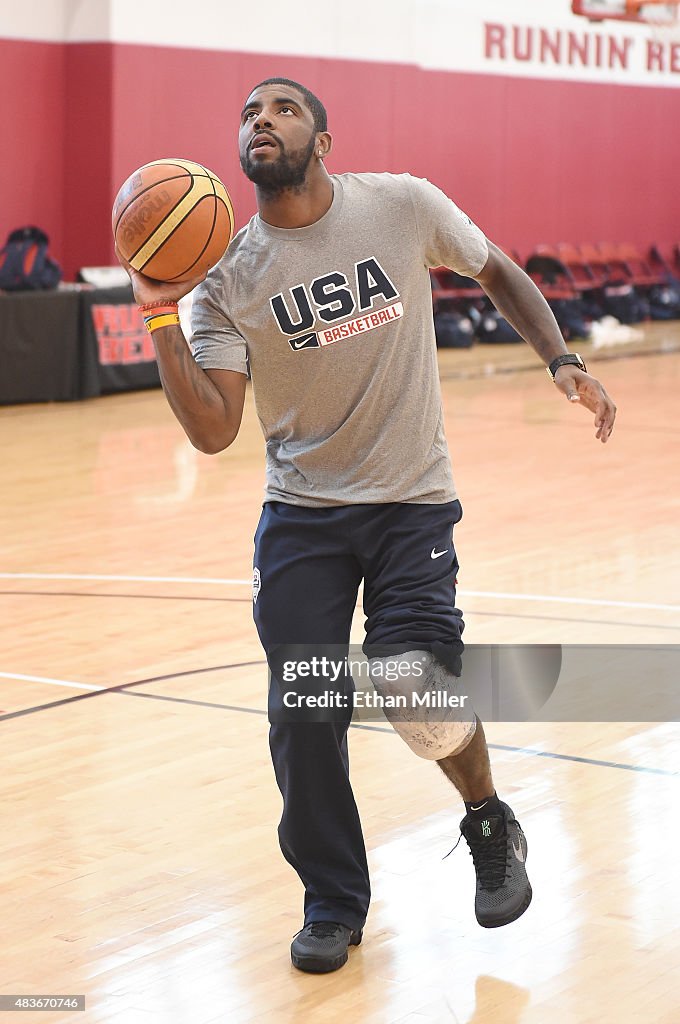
571	318
664	301
492	328
24	263
623	302
453	330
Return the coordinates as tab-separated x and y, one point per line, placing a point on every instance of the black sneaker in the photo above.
499	850
322	946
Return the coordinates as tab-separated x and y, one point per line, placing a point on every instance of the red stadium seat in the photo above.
595	263
581	273
676	260
658	263
551	276
547	250
449	288
611	257
642	273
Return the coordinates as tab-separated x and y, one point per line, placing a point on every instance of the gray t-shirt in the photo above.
333	322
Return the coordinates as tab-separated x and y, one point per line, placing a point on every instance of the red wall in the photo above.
531	160
88	172
32	124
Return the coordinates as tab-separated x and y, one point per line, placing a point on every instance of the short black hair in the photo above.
315	105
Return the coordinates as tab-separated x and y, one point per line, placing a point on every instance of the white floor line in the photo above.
210	581
117	579
571	600
50	682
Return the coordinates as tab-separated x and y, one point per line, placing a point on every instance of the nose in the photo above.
262	121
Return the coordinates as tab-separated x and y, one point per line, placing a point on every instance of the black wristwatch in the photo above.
572	357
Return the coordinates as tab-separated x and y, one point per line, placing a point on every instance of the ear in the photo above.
324	144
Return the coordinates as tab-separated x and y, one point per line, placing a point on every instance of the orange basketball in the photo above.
172	220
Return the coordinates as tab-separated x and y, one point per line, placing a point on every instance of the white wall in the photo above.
87	19
32	19
442	34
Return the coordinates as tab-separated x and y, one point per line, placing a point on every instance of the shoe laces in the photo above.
323	929
490	857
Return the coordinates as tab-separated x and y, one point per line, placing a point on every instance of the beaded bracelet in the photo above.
160	304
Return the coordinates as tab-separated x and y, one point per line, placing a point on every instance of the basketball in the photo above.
172	220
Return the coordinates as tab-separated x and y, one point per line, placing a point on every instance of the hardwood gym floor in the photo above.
140	862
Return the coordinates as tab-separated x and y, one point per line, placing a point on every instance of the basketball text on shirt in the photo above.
330	298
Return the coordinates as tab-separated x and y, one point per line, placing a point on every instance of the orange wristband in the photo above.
160	311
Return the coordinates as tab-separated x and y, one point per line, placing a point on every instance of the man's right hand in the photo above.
146	289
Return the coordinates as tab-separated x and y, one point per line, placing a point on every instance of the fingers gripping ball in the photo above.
428	719
172	220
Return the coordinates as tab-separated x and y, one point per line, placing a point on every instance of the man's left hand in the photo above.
581	387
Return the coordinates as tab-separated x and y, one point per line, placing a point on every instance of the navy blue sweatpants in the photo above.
308	565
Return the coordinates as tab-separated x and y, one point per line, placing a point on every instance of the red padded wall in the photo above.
32	124
531	160
87	156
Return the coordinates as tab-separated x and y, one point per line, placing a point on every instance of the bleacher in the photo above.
585	285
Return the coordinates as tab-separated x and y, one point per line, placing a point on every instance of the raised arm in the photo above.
517	298
207	403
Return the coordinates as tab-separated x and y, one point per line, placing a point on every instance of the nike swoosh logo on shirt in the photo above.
438	554
306	341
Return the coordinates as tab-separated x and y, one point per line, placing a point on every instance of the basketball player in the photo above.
324	300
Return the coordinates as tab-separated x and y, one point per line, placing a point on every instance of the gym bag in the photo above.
24	263
453	331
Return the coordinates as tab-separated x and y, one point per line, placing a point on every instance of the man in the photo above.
324	300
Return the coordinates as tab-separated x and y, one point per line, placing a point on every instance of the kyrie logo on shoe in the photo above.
486	828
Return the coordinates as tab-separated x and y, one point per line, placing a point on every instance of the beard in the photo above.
286	172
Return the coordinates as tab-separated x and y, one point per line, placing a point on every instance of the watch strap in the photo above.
572	358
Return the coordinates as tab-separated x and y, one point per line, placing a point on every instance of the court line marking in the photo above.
121	688
125	691
583	760
663	348
532	751
550	598
247	600
198	703
49	681
216	581
119	579
154	597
